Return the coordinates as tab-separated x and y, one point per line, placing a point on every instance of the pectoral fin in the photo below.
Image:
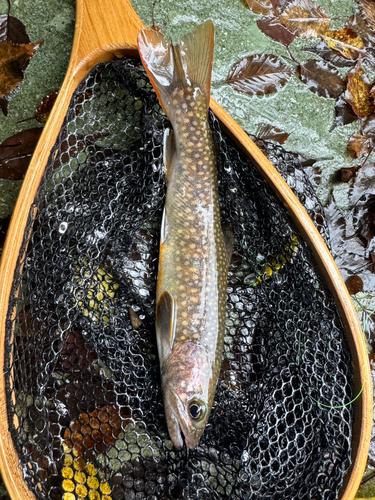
228	241
169	150
165	323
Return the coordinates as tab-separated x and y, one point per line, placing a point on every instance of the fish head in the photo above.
187	390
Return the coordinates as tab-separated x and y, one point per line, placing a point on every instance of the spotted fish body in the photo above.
194	249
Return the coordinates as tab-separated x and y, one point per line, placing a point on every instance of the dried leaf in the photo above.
359	145
330	55
367	10
12	30
272	28
259	74
344	113
354	284
357	92
16	152
348	173
321	78
4	224
346	41
368	127
44	109
260	6
357	23
13	61
270	133
279	4
305	19
4	106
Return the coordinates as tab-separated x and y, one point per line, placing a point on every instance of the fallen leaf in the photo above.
368	126
16	152
271	27
44	109
357	92
357	23
330	55
346	41
12	30
367	10
134	318
268	132
260	6
354	284
13	61
359	145
259	74
344	113
305	19
348	173
321	78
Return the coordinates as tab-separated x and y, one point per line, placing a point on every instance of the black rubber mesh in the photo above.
84	396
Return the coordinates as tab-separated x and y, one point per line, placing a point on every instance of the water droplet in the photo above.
63	227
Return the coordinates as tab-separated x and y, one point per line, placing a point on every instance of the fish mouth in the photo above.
178	423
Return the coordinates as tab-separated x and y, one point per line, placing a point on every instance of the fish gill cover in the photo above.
84	398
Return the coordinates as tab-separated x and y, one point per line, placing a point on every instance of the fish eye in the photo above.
197	409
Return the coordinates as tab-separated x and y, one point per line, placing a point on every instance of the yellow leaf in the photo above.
358	90
346	41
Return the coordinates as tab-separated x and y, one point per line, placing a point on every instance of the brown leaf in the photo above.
270	133
357	92
12	30
16	152
305	19
321	78
368	128
44	109
359	145
13	61
272	28
4	224
347	173
4	106
354	284
344	113
367	10
279	4
346	41
259	74
330	55
260	6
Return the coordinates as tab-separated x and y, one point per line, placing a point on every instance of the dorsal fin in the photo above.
165	322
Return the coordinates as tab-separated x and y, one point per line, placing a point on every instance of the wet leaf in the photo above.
346	41
354	284
12	30
359	145
330	55
270	133
272	28
13	61
305	19
357	92
260	6
368	126
321	78
348	173
16	152
44	109
367	10
259	74
344	113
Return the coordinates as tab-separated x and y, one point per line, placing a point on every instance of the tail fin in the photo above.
188	64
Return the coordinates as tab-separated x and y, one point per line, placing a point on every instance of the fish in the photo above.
195	249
